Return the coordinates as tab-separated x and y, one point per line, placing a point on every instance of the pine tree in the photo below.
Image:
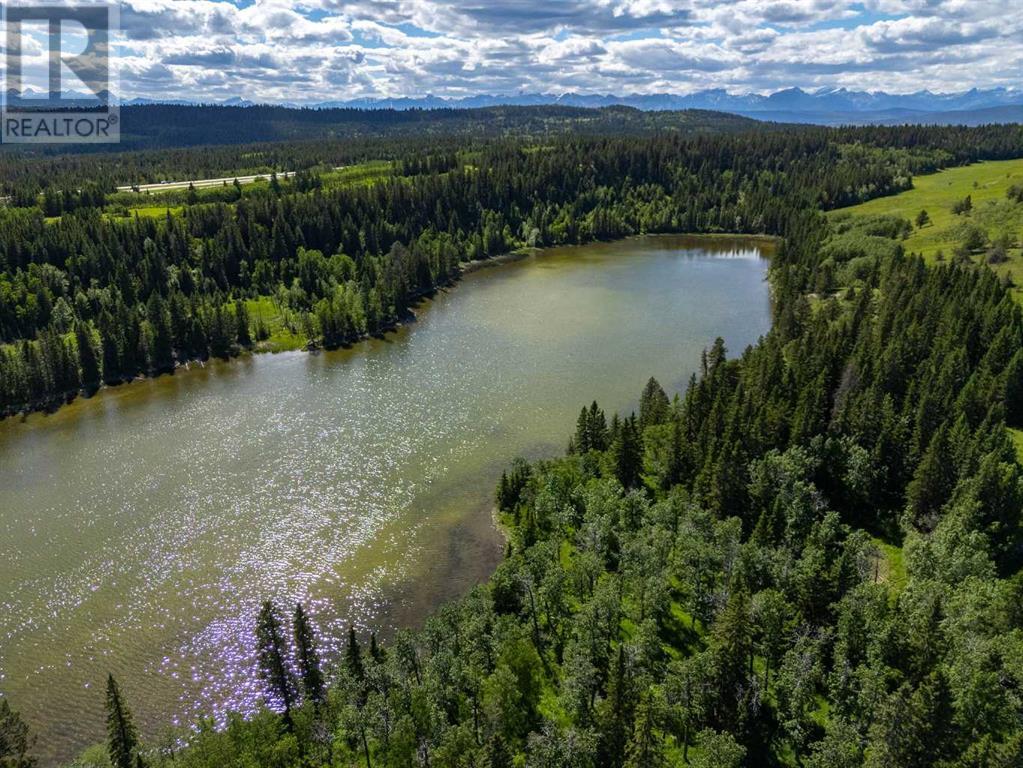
307	657
675	470
273	661
375	651
162	352
1014	391
88	357
733	646
597	430
581	441
653	405
241	313
617	711
627	453
645	749
932	483
122	738
15	739
353	656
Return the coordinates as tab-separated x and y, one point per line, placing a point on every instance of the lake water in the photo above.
141	528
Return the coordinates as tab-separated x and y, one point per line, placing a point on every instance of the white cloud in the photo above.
311	50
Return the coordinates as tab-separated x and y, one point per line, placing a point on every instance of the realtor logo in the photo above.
57	79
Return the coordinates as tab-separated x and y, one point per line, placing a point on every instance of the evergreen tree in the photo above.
733	647
375	651
627	453
162	351
353	656
617	712
273	661
89	357
122	738
932	483
653	405
307	658
15	739
241	312
675	470
645	749
1014	391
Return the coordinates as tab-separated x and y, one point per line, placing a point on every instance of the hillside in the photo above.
993	224
155	126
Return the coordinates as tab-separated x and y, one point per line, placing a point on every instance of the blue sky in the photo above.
312	50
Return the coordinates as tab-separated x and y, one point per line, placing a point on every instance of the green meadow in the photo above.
992	212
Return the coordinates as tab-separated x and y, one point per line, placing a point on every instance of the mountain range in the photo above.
831	106
825	106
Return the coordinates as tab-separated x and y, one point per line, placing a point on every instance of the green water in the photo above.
141	528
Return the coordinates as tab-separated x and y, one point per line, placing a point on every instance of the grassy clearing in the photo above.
148	211
986	184
155	203
363	174
284	332
892	566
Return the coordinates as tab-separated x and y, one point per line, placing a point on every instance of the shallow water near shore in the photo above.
141	528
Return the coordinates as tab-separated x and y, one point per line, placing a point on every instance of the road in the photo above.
168	186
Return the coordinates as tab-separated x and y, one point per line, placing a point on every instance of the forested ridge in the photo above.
810	557
147	126
88	298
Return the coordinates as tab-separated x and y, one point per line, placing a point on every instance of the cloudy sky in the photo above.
310	50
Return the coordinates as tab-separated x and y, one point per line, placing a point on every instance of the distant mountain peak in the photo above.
824	105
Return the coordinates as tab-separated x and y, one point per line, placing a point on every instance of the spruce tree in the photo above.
307	657
375	651
162	351
733	645
653	405
89	358
1014	391
15	739
617	711
627	453
581	441
676	457
353	656
241	313
645	749
932	483
122	737
597	430
273	661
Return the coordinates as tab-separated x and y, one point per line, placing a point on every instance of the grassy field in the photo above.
156	203
354	175
284	332
986	184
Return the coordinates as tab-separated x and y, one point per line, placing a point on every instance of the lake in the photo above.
140	529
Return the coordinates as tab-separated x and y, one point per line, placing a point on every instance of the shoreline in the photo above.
464	268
